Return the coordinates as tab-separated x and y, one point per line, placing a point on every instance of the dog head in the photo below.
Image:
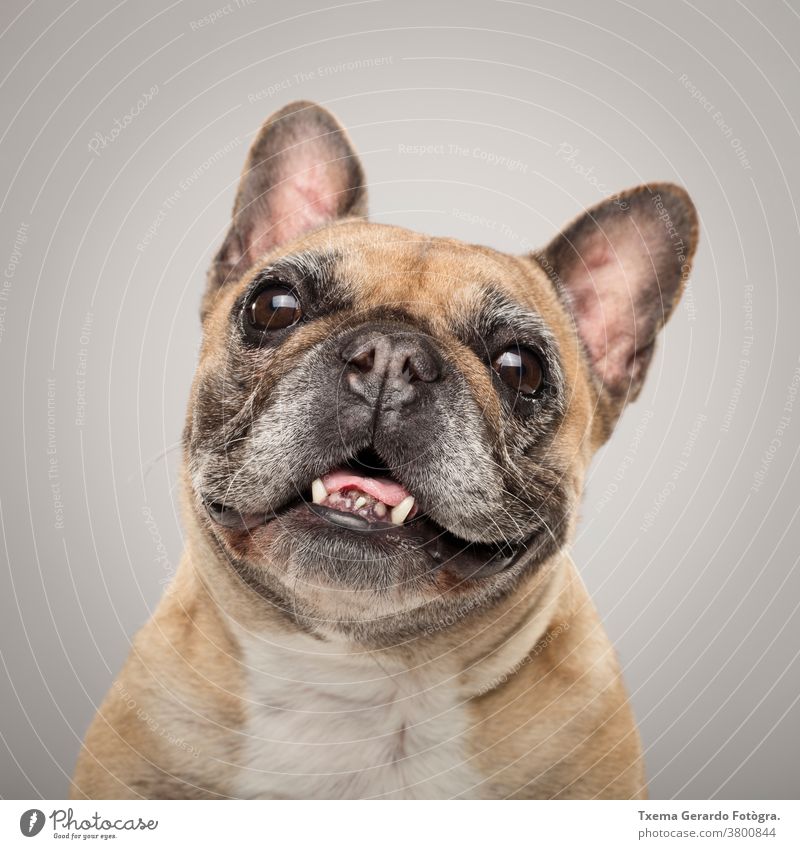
387	430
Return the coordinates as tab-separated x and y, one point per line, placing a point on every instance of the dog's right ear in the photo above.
301	172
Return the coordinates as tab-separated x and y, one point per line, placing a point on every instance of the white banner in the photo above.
393	825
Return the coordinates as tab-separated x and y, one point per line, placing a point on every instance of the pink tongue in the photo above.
388	491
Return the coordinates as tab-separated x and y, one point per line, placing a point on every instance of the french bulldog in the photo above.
385	447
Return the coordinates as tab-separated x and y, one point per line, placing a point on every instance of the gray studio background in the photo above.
689	538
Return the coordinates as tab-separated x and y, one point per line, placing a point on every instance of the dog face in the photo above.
387	430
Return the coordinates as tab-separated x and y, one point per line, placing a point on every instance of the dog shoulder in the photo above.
561	722
168	713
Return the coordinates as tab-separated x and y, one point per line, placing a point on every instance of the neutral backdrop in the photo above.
689	537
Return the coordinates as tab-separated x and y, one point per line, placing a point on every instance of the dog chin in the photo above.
358	545
351	550
351	571
371	582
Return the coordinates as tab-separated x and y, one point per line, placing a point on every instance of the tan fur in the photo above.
548	715
518	693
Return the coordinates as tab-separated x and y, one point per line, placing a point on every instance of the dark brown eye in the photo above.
520	369
273	308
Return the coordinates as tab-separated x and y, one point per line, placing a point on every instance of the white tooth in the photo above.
318	491
380	509
400	513
360	501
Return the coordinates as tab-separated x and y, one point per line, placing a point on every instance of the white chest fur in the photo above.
325	722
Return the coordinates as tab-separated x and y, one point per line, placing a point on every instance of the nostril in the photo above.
418	366
410	373
363	360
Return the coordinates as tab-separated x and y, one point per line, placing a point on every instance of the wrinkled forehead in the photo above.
435	279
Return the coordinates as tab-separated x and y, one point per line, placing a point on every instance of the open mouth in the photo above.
363	497
365	491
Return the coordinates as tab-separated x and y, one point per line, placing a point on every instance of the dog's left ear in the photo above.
301	172
621	267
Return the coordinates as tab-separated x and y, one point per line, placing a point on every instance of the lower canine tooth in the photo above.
318	491
400	513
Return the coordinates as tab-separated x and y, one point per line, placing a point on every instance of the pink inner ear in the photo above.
307	197
605	286
621	265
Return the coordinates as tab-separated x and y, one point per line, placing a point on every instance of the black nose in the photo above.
390	365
